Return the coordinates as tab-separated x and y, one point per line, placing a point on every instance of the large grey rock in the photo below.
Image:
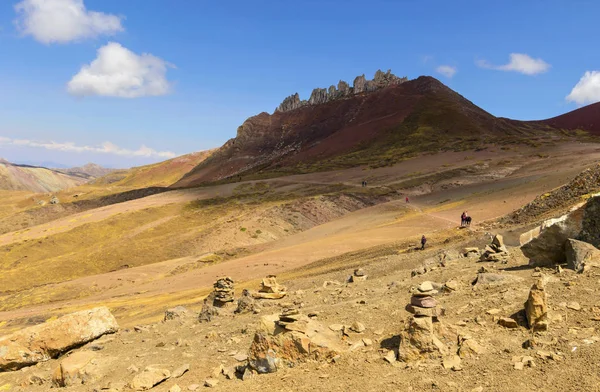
48	340
580	254
548	247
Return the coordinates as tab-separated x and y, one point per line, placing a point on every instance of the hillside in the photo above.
91	170
35	179
586	118
159	174
379	126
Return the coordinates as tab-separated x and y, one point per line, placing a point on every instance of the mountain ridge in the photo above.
375	128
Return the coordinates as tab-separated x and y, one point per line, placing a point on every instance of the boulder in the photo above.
50	339
75	369
295	338
150	377
547	245
580	255
176	312
246	303
536	307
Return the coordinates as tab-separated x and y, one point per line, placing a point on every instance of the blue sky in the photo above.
213	64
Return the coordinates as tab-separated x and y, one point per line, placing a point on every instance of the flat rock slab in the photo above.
50	339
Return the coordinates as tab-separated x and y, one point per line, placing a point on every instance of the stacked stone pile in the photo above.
224	292
419	341
496	251
422	303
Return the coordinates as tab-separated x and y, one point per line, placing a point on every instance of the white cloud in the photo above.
446	70
63	21
118	72
104	148
519	62
587	90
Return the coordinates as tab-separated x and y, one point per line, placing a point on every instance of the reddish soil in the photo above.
585	118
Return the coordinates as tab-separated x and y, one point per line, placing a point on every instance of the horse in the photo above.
466	221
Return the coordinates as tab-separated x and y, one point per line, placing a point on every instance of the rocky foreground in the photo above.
471	316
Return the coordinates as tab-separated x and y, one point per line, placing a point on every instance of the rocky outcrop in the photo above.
361	85
48	340
318	96
547	245
290	103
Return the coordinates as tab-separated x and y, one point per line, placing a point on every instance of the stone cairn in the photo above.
495	252
359	275
224	292
270	289
419	339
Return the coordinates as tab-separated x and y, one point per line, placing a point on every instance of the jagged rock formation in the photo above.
343	90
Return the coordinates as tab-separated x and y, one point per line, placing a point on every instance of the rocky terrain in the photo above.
366	322
296	264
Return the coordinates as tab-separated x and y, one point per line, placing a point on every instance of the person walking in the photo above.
407	199
423	242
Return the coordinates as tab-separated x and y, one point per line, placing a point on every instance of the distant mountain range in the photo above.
36	179
91	170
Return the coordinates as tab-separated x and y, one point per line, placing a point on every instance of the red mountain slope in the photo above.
586	118
375	128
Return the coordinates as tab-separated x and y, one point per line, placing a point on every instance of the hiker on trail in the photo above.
423	241
407	199
463	218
